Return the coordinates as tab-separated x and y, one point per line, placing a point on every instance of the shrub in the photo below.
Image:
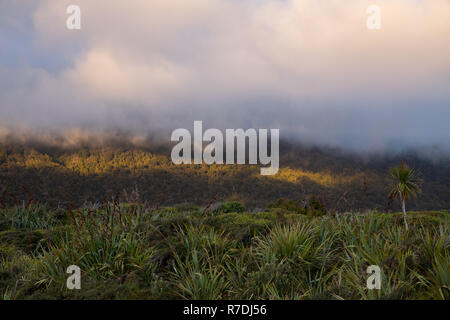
229	207
283	203
314	207
30	217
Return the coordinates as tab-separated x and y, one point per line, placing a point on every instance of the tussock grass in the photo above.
128	251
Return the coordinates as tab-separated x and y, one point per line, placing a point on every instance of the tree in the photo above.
405	185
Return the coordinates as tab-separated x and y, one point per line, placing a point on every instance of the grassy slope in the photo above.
137	252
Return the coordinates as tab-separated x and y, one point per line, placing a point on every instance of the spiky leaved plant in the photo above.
405	185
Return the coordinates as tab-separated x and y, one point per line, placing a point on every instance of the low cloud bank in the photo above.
310	68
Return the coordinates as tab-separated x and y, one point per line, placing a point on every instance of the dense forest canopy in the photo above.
345	181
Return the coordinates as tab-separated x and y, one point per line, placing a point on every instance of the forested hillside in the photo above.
341	181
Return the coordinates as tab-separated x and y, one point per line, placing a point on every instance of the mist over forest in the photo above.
88	168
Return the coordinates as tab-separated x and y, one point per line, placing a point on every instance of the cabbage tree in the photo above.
405	185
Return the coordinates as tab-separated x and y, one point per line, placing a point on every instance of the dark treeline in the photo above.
343	181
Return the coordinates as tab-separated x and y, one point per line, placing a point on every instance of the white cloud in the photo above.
308	66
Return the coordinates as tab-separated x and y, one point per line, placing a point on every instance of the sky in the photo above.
311	68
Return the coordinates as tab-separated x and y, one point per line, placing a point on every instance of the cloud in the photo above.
308	67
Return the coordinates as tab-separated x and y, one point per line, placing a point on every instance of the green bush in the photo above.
314	207
229	207
30	217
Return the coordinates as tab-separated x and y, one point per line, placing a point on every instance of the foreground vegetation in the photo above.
129	250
